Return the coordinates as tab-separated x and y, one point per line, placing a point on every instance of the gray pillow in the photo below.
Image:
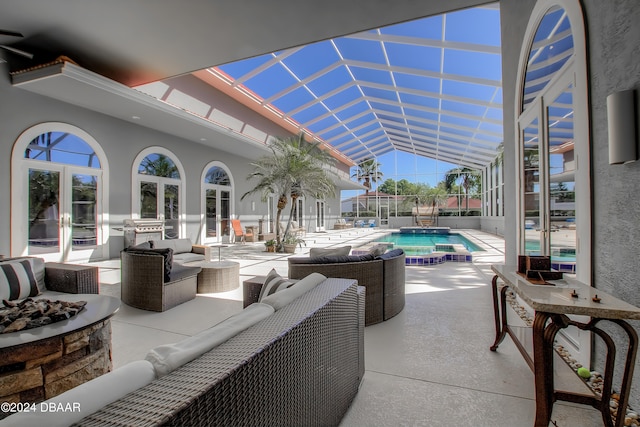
274	283
144	245
378	250
318	252
391	254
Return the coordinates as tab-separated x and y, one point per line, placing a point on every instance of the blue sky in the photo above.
431	86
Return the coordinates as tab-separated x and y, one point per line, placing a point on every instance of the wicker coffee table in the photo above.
218	276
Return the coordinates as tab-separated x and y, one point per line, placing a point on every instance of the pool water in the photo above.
421	244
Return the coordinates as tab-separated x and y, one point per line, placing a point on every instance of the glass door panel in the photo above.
561	159
225	214
211	213
84	221
533	224
171	211
320	215
44	215
148	200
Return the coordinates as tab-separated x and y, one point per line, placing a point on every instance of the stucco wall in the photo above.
614	64
122	142
614	49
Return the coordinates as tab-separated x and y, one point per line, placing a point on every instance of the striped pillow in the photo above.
274	283
17	281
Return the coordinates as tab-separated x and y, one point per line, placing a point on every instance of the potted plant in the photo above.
290	241
270	245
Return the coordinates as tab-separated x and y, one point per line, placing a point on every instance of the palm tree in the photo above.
368	172
469	179
159	165
295	168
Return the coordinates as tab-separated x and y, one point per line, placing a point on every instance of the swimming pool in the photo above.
426	243
562	258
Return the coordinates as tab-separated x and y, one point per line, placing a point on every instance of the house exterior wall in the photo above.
122	142
614	65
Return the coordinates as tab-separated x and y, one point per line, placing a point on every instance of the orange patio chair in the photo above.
238	234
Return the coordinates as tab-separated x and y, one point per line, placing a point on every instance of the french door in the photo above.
551	210
160	199
63	220
217	213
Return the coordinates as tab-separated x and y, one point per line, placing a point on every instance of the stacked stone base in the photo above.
43	369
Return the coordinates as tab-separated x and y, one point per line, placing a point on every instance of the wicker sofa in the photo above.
299	365
383	276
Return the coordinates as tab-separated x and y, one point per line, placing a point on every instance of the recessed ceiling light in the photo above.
203	139
135	117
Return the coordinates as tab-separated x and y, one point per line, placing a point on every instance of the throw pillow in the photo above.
274	283
17	280
378	250
392	254
167	254
318	252
144	245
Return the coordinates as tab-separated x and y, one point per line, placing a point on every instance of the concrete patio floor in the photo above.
428	366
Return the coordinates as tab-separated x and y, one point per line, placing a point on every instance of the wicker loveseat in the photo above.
383	276
298	365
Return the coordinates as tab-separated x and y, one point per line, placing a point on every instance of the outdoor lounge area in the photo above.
254	134
429	365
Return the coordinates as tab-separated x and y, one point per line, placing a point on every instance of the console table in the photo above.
552	304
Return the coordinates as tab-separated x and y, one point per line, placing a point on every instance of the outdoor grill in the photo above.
137	231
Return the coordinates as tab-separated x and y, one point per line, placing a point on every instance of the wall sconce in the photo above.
622	127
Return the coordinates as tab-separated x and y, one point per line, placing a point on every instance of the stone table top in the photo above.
98	308
215	264
557	299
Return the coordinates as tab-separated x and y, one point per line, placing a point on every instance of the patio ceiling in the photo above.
430	87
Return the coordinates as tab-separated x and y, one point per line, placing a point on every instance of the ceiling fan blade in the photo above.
10	33
17	51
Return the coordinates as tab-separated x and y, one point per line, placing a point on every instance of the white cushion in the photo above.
166	358
285	296
274	283
89	397
17	280
178	245
183	245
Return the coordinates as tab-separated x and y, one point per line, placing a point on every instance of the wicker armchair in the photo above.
143	282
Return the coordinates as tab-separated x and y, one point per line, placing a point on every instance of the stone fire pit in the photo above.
29	313
42	362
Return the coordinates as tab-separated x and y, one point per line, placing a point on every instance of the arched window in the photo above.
57	194
158	190
553	146
217	203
